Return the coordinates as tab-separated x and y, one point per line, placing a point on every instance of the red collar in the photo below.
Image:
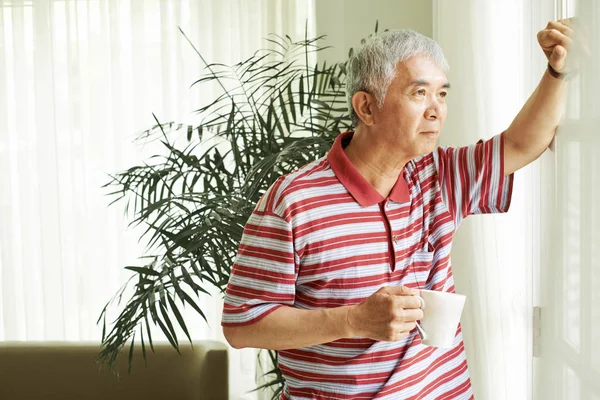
353	181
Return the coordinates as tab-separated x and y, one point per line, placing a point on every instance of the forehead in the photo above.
420	71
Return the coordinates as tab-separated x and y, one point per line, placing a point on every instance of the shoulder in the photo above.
291	188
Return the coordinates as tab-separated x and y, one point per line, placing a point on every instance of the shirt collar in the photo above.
353	181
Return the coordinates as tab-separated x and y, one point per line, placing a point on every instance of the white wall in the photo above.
346	22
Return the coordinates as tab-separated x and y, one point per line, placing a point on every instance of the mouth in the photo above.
430	133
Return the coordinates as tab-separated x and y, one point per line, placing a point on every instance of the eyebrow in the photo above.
420	82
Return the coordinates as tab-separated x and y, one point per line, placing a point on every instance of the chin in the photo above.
430	145
429	148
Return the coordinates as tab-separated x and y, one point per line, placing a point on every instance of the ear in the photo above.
364	106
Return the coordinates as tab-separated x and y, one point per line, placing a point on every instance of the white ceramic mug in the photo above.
441	315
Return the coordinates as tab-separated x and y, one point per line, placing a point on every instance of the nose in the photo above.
434	110
431	114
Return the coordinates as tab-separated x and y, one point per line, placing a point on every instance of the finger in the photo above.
409	302
402	291
549	38
406	327
561	27
581	33
558	58
394	332
577	25
399	330
412	315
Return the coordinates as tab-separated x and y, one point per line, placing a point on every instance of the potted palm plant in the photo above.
276	112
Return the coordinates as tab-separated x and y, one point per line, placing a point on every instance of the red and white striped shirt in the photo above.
323	237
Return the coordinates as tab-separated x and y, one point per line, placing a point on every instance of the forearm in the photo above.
534	127
291	328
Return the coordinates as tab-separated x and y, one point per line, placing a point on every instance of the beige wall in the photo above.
346	22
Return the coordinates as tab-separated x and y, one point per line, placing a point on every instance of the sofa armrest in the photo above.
63	370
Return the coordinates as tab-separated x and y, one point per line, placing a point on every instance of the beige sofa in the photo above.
66	371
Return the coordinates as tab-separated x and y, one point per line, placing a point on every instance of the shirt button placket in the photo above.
394	238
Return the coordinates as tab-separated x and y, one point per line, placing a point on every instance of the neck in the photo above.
379	165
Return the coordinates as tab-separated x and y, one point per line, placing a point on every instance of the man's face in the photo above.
414	105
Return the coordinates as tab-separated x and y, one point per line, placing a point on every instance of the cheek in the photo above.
443	112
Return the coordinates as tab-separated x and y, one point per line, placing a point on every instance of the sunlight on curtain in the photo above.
493	70
570	367
78	80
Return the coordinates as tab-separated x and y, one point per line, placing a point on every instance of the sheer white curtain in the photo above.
570	367
495	64
78	79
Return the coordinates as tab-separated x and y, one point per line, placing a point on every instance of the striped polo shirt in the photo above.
323	237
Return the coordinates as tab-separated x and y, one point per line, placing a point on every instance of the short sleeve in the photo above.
472	178
263	277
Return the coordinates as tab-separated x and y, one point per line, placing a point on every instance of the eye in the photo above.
421	92
443	94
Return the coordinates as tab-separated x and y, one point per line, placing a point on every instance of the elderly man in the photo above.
334	253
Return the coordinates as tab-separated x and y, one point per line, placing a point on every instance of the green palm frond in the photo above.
274	114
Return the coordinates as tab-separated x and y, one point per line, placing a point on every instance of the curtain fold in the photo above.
78	80
493	70
570	362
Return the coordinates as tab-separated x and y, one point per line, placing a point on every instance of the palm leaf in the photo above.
276	112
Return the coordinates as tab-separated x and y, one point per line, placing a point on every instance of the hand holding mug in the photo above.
389	314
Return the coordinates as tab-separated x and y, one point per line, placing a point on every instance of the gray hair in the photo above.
373	67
